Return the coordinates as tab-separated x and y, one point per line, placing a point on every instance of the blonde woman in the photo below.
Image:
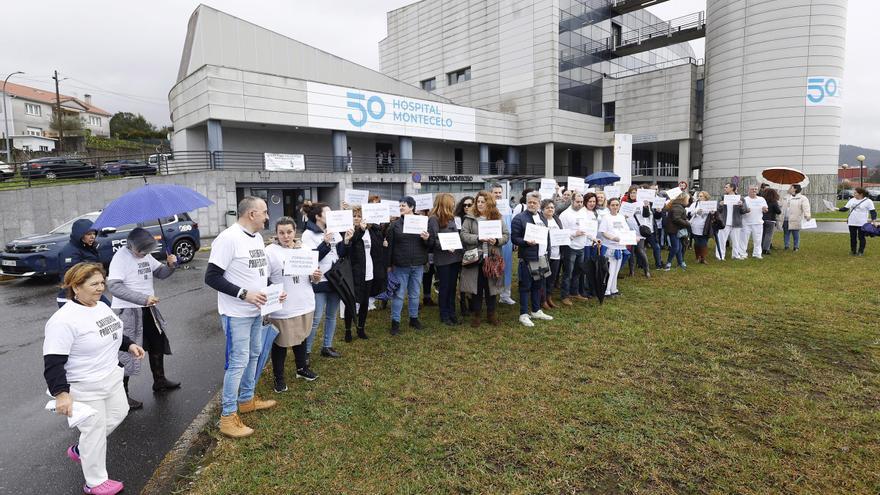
447	263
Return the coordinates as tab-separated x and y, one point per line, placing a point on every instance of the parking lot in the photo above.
33	459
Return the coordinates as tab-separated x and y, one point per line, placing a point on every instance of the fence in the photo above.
52	171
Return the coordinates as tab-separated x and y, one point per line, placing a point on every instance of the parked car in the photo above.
6	171
57	168
874	193
37	255
127	167
845	194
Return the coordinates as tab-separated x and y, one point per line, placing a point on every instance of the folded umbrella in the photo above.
601	179
340	277
596	271
269	333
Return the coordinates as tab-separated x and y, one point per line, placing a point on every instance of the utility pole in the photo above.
58	118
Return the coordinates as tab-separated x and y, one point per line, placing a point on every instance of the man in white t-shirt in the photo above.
752	224
238	270
574	218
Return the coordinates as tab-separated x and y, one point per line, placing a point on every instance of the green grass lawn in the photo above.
750	377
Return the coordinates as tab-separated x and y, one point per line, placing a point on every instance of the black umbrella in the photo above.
596	270
340	277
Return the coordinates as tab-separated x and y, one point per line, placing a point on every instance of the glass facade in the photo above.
588	30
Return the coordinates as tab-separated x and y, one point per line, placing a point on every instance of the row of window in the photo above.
37	111
452	78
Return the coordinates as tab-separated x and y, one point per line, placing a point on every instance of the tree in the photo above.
126	125
70	124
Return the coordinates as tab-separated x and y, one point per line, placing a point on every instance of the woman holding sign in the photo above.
367	255
330	248
860	207
554	256
447	259
699	212
474	279
611	230
294	319
408	245
795	210
676	225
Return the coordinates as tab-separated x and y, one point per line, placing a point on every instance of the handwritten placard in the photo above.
731	199
339	220
535	233
611	192
415	224
707	206
356	196
449	241
643	195
673	193
489	229
576	184
658	203
503	208
629	209
375	213
273	299
301	262
560	237
393	207
424	201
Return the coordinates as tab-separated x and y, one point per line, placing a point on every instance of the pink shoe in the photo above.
109	487
72	453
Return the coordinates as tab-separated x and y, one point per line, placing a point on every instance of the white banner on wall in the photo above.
824	91
336	107
282	161
623	157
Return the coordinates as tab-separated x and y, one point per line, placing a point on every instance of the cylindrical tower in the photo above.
774	73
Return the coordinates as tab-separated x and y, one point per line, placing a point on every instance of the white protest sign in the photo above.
424	201
590	190
415	224
273	296
643	195
458	223
548	188
560	237
611	192
658	203
489	229
828	204
535	233
809	224
301	262
627	238
708	206
356	196
673	193
503	208
449	241
393	207
339	220
576	184
589	225
629	209
375	213
731	199
755	203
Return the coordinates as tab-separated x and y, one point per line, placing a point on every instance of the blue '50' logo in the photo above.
818	88
375	108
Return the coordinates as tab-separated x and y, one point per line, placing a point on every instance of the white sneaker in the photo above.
526	321
507	300
541	315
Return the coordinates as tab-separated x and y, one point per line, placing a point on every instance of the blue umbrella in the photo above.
152	201
601	178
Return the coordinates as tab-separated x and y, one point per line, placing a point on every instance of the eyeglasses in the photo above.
468	205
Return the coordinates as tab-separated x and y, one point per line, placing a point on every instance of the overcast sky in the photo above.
126	54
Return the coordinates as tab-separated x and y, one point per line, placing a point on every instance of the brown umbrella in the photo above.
782	177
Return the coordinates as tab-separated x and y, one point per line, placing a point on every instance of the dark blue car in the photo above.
37	255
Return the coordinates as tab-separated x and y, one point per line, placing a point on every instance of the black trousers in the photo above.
855	231
279	355
363	302
482	293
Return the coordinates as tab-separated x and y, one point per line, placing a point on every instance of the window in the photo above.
94	121
32	109
609	115
429	84
44	148
461	75
34	131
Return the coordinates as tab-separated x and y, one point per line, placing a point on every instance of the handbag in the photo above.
644	230
470	257
493	266
717	224
539	269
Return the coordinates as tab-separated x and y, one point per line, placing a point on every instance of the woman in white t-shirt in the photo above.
294	319
554	258
861	208
130	281
81	364
610	228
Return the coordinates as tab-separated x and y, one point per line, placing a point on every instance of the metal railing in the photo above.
658	66
696	20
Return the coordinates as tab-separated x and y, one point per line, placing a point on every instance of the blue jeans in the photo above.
571	272
676	249
447	275
795	235
244	341
327	309
529	290
654	241
410	282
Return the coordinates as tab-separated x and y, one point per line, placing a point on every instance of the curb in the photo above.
177	461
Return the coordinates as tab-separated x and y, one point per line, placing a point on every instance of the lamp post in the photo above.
6	119
861	159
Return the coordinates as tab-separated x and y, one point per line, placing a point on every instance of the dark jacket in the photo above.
441	257
323	250
738	212
518	231
675	219
75	251
358	258
406	249
773	209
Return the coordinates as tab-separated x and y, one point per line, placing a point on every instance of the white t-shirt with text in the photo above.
243	258
134	273
756	206
90	337
300	296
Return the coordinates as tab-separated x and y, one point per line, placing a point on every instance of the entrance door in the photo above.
459	161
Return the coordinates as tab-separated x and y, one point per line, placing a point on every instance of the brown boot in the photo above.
255	404
566	301
550	302
232	427
493	318
475	320
546	305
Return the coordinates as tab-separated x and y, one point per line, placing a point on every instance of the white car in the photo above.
6	171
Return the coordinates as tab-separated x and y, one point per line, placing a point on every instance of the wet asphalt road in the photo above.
32	456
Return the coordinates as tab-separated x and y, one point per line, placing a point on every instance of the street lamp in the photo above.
6	118
861	159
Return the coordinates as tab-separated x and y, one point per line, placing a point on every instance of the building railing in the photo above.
658	66
78	169
697	20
